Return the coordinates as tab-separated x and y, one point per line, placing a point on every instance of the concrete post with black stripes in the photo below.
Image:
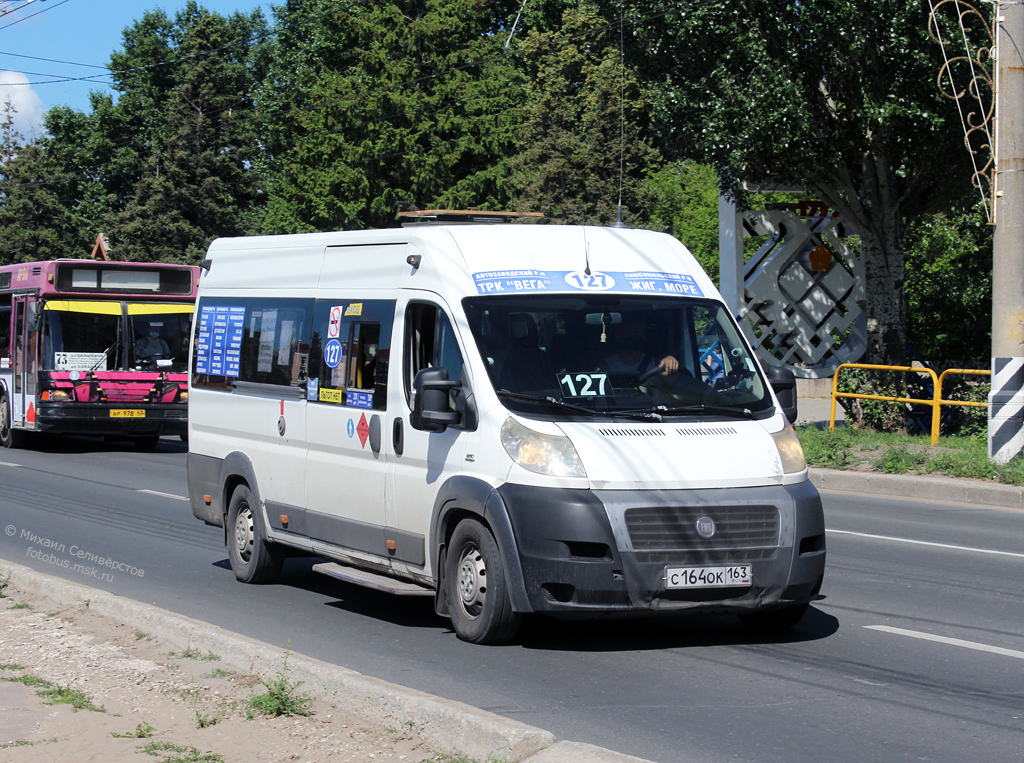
1006	400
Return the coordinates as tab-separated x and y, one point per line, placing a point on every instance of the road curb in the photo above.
942	489
445	725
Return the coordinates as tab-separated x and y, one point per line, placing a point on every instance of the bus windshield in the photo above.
605	354
83	335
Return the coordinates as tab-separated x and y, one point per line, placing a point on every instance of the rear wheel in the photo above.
776	619
477	590
253	560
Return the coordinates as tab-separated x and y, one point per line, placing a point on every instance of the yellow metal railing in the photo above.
936	402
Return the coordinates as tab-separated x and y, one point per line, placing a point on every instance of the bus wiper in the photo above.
548	400
721	410
106	352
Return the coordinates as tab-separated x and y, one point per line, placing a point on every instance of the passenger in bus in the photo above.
152	345
632	355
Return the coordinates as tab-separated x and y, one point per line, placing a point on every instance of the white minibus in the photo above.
509	418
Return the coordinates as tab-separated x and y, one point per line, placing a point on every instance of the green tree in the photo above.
390	105
170	164
836	98
586	114
35	224
949	287
687	207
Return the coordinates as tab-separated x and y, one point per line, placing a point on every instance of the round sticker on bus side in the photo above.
593	281
332	353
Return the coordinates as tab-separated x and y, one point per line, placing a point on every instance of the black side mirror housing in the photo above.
430	412
783	381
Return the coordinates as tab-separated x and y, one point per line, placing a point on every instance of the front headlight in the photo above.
183	395
790	450
542	453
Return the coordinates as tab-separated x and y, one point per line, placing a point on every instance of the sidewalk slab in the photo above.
17	718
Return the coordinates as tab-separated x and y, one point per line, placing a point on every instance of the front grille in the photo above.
659	528
707	557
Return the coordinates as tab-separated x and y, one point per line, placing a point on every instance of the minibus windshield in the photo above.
639	357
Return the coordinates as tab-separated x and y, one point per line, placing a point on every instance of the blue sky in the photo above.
72	32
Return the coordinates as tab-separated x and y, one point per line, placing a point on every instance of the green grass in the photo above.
282	696
33	681
142	731
22	605
67	695
219	673
194	654
166	751
895	453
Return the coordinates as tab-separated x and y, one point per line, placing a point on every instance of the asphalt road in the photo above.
915	651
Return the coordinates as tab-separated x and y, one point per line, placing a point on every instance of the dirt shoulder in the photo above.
159	702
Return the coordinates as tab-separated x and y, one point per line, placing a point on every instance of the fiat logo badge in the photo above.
705	527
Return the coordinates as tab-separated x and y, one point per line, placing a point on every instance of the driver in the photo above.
631	356
152	345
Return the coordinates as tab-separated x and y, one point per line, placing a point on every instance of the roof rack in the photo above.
461	217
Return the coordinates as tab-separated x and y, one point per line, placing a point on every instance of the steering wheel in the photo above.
649	374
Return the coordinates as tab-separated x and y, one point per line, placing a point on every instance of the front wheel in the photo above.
9	436
253	560
775	619
477	590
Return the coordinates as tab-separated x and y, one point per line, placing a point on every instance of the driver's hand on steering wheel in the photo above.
669	364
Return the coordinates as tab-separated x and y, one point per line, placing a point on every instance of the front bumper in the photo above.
101	418
588	552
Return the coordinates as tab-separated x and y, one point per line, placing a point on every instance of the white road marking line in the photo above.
5	463
164	495
929	543
952	641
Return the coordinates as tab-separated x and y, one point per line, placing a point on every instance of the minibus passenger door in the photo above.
421	461
346	461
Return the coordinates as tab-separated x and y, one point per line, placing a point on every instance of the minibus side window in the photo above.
431	343
349	352
257	340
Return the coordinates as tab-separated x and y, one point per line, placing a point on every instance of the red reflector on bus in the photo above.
31	415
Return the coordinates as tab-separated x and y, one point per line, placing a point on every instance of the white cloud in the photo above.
28	120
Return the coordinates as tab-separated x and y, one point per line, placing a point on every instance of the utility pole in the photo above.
1006	400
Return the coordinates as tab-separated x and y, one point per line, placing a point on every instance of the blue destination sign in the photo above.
219	344
643	281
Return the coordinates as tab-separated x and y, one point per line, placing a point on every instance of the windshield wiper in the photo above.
721	410
642	415
546	400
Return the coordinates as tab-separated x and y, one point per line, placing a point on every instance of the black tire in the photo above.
253	560
9	436
775	619
477	590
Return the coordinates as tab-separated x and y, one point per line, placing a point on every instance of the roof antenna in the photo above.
586	252
622	121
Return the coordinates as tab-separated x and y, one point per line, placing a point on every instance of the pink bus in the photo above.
96	348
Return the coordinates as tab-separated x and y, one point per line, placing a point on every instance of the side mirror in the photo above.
430	412
783	381
33	315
